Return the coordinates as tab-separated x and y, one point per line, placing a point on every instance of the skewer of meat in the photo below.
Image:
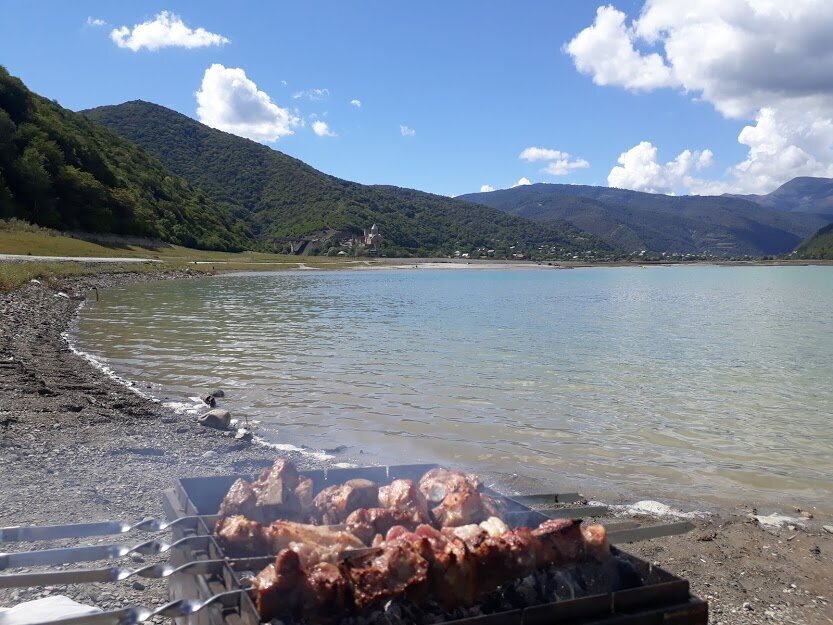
453	565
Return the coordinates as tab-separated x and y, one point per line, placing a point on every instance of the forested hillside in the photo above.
58	169
283	198
818	246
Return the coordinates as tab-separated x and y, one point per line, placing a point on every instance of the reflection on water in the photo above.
709	385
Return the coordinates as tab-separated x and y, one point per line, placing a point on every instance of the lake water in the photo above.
705	385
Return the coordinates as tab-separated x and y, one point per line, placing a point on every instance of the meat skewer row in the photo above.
453	566
442	497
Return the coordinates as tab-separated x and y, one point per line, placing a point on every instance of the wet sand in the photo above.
77	445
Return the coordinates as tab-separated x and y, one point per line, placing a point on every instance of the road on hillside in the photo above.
80	259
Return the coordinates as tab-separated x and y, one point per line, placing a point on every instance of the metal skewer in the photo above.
140	614
65	555
100	528
116	573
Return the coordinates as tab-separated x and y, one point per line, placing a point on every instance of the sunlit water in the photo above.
705	385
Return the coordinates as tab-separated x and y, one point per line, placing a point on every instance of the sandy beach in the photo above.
76	445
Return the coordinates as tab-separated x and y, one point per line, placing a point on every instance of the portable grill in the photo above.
652	597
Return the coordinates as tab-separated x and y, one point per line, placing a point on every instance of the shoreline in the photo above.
77	447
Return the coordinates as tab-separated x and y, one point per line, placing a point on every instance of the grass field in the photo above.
18	237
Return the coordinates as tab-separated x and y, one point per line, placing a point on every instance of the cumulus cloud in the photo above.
522	182
164	31
558	163
767	63
95	21
228	100
322	129
606	51
640	170
356	103
406	132
486	188
312	94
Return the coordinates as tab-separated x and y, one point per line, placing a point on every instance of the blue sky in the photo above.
476	82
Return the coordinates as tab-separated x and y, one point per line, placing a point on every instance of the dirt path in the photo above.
76	445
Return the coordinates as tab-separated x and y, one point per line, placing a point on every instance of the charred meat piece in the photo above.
281	533
404	495
335	503
240	499
275	490
279	492
400	569
279	588
243	537
438	483
303	493
240	536
365	523
461	507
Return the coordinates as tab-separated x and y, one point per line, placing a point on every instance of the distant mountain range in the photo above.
141	169
283	199
630	220
803	195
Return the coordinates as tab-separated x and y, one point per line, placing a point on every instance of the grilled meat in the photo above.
279	492
453	566
240	536
335	503
240	499
405	496
365	523
438	483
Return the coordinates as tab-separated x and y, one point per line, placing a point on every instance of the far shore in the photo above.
77	445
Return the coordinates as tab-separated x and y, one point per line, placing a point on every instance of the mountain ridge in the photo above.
283	198
633	220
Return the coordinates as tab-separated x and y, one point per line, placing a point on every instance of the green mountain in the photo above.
286	201
803	194
58	169
818	246
722	226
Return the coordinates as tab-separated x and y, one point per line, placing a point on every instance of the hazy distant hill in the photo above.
803	194
283	198
660	223
58	169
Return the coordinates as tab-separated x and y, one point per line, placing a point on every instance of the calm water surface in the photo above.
704	385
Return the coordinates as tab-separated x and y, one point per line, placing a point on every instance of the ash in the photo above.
544	586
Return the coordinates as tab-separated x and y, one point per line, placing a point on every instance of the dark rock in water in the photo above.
217	418
336	450
209	399
168	419
218	393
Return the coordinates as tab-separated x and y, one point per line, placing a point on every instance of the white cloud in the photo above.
164	31
605	50
522	182
640	170
95	21
559	163
486	188
322	129
769	63
228	100
313	94
357	103
406	132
